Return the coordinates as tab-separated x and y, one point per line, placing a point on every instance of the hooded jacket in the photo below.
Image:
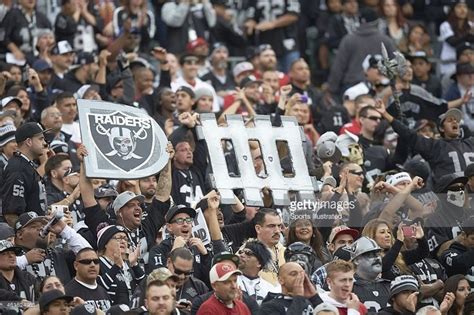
346	70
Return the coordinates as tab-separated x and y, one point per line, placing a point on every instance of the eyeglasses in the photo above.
182	272
246	251
357	173
374	118
88	261
181	221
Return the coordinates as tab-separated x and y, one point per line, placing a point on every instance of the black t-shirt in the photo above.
97	296
23	188
416	103
21	32
282	39
188	186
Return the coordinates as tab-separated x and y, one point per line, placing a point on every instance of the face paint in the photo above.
456	198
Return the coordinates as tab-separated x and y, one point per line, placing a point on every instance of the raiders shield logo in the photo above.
123	141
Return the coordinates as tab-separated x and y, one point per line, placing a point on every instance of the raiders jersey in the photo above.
374	294
458	259
57	263
445	156
444	224
429	271
416	103
91	294
23	188
187	187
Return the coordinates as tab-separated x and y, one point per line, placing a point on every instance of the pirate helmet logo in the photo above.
126	141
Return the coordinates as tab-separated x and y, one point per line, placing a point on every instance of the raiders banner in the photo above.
124	142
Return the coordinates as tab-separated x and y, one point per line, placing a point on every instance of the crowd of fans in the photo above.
389	230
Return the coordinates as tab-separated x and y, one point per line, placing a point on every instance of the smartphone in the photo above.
25	74
408	231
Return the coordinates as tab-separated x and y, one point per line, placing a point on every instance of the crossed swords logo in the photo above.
141	134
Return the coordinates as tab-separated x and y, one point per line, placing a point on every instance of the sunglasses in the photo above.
357	173
246	251
182	272
456	188
181	221
374	118
88	261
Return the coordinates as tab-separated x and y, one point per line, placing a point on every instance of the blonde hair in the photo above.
370	230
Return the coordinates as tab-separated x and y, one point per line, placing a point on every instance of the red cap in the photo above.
190	46
222	271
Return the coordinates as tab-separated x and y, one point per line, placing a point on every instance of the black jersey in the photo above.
188	186
458	259
23	188
282	39
428	271
374	294
95	295
445	156
416	103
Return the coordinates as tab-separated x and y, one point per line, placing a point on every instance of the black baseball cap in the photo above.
173	211
29	130
186	90
27	218
51	296
226	256
249	80
6	246
187	57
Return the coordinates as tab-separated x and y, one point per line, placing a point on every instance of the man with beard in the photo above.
223	277
179	223
62	185
157	186
219	76
17	283
42	259
298	295
340	280
84	285
188	287
368	287
254	257
128	209
23	187
159	299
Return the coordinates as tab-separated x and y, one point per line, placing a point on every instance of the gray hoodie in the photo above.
346	69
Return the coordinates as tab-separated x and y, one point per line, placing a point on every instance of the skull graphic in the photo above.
122	140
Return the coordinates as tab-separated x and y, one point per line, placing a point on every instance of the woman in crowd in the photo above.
459	286
418	39
303	230
395	262
393	23
120	272
456	30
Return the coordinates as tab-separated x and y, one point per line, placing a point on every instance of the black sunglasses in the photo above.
358	173
89	261
374	118
181	272
246	251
